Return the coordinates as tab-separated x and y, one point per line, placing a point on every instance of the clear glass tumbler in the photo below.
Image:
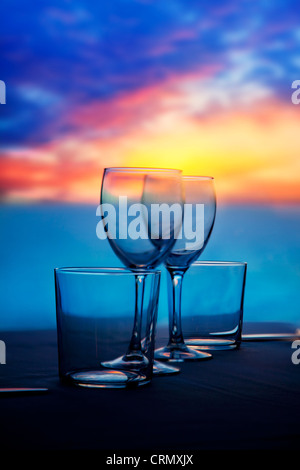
213	304
94	310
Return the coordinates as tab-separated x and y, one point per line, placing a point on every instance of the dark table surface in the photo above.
241	399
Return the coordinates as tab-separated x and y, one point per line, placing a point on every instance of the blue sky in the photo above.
58	54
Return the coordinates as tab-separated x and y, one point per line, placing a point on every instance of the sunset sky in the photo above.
198	85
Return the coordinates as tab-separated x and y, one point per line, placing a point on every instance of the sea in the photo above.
36	238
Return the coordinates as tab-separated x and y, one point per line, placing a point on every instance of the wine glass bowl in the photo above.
138	238
199	218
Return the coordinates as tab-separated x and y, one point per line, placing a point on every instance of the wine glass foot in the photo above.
163	369
123	364
108	379
211	344
180	353
131	362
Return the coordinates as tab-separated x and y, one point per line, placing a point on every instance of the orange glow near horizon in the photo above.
252	151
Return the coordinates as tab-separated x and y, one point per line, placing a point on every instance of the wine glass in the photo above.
198	221
139	238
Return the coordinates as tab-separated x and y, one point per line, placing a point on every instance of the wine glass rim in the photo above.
219	263
104	270
197	177
141	169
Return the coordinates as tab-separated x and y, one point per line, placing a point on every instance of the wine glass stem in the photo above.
175	332
135	342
